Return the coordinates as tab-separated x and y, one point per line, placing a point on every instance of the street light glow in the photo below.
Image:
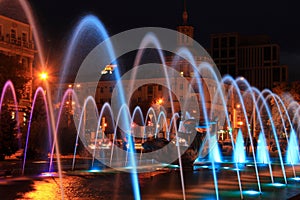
159	101
43	76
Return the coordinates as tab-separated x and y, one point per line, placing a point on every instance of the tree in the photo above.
40	140
8	133
11	69
288	92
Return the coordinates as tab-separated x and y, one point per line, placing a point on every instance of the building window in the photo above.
232	53
232	42
276	74
181	98
283	75
274	53
216	54
150	89
24	37
13	33
267	53
0	30
223	54
216	43
224	42
159	87
101	90
110	89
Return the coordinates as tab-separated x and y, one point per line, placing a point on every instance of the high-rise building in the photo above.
255	58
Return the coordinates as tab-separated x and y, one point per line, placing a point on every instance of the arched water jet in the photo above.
234	85
221	93
183	52
105	106
10	86
276	98
257	110
38	91
82	126
175	116
29	14
164	119
66	95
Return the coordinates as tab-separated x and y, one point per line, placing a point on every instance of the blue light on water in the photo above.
48	174
251	192
94	170
296	178
277	184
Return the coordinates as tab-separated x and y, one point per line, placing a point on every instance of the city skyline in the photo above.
278	20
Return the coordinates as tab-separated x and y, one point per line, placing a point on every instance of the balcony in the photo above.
16	42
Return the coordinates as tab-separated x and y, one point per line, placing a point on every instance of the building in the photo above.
16	42
255	58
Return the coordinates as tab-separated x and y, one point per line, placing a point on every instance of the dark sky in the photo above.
280	20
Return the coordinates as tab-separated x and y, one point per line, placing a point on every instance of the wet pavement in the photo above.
161	184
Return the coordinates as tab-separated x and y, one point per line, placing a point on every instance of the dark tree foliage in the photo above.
8	133
12	69
40	140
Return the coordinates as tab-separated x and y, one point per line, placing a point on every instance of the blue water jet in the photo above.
214	154
292	154
239	151
262	153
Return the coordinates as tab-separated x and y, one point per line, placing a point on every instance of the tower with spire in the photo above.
187	30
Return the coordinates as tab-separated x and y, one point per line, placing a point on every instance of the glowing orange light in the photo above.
44	76
240	123
159	101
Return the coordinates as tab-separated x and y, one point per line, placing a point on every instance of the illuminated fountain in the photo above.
185	146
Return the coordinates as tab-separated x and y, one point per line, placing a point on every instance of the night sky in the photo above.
280	20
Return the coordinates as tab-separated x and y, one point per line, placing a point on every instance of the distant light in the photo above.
242	78
108	69
70	86
240	123
78	85
226	167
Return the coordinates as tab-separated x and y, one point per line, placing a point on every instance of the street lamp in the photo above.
43	76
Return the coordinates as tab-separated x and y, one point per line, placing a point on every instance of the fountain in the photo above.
158	139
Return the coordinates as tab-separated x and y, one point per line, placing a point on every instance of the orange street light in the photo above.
240	123
159	101
43	76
